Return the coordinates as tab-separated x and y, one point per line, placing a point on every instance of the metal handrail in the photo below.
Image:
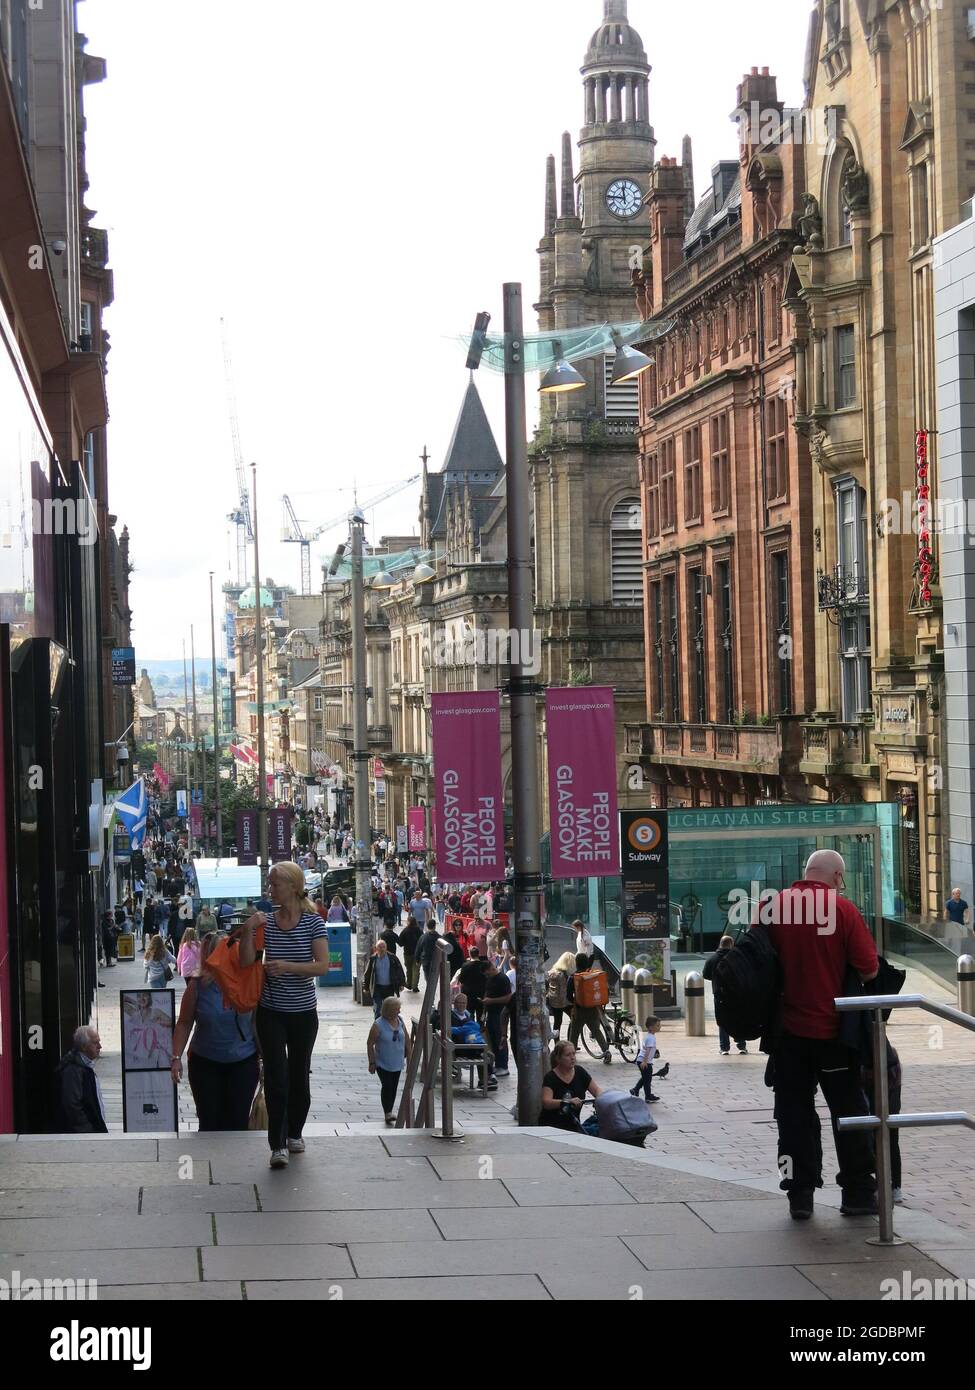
437	1049
883	1123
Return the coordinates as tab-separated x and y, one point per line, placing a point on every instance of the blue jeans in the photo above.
724	1042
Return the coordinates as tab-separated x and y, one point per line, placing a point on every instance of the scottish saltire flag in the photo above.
131	809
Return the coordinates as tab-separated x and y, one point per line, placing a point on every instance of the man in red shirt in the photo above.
818	935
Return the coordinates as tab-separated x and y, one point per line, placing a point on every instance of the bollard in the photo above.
627	989
966	985
643	996
694	1004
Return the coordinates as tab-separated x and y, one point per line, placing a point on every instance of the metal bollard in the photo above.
642	996
628	990
966	985
694	1004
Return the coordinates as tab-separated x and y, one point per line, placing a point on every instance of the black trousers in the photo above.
223	1091
388	1086
800	1066
287	1041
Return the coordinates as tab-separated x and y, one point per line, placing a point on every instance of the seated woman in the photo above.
564	1090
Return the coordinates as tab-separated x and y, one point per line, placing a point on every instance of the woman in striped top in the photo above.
295	951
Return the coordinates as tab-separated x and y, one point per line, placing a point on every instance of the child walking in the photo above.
645	1059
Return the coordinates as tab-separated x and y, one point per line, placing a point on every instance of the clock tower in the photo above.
584	459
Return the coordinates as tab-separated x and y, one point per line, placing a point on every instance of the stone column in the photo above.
617	114
591	102
630	112
819	381
601	100
801	392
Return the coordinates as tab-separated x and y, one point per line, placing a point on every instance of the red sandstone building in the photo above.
725	480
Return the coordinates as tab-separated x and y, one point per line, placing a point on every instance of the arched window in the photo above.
626	553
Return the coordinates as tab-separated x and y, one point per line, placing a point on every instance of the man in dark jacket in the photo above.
455	952
472	982
410	939
80	1107
724	1041
391	939
426	952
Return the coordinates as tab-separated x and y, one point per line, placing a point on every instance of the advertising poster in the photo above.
402	839
279	835
582	782
417	826
123	666
149	1103
468	810
247	837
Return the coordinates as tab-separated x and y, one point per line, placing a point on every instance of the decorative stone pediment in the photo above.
920	123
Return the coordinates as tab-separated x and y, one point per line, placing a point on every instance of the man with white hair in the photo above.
818	935
80	1103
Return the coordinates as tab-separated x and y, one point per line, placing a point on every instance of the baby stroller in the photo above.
623	1118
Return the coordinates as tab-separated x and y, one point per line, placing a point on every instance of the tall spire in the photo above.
568	182
551	205
615	9
687	162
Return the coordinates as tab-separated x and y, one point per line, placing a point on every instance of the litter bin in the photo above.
125	946
339	955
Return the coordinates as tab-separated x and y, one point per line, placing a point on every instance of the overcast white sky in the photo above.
347	184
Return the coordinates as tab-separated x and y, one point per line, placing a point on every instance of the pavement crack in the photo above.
257	1197
139	1207
243	1290
199	1261
213	1226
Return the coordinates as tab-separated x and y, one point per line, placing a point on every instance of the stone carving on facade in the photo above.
811	223
856	188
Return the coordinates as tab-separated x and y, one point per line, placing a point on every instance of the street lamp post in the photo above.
360	760
522	690
216	727
259	662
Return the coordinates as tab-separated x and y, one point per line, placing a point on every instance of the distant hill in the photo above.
167	676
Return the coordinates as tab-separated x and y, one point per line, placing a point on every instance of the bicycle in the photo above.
624	1034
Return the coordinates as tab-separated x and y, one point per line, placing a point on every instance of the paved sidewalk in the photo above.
371	1213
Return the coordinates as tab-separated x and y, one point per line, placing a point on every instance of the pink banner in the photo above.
196	821
417	827
581	738
469	811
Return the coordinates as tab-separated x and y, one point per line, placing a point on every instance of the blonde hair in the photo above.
188	936
566	962
156	949
389	1007
294	877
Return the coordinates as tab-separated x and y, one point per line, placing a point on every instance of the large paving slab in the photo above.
647	1219
694	1285
490	1165
99	1175
107	1266
802	1245
277	1262
567	1192
210	1292
95	1201
78	1149
590	1257
325	1227
315	1166
107	1232
198	1197
846	1281
484	1289
772	1215
322	1194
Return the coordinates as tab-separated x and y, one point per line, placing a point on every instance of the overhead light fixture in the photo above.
629	362
383	580
560	376
423	574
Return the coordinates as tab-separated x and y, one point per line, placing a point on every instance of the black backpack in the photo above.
747	984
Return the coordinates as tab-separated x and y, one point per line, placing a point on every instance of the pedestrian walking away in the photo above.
224	1066
409	939
819	935
587	1016
388	1049
160	964
724	1041
295	951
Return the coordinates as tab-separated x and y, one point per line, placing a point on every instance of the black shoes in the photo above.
859	1204
800	1204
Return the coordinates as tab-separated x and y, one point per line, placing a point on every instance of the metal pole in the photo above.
196	735
966	985
524	723
693	1003
360	760
446	1046
259	660
885	1195
216	726
186	755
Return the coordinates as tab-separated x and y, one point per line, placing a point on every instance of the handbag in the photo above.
258	1115
169	973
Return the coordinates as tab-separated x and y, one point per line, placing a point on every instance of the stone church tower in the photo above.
584	460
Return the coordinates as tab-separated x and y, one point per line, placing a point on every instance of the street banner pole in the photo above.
216	727
259	660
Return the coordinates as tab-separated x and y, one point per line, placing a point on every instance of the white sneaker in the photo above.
898	1196
279	1158
296	1146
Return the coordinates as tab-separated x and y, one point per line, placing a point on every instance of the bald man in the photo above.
818	935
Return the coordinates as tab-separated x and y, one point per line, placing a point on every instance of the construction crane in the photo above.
241	515
293	533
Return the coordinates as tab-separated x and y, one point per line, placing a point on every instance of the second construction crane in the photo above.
292	526
241	515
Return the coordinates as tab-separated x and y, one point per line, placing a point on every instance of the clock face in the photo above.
623	198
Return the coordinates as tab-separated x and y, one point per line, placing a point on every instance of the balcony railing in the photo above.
842	588
759	747
835	747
